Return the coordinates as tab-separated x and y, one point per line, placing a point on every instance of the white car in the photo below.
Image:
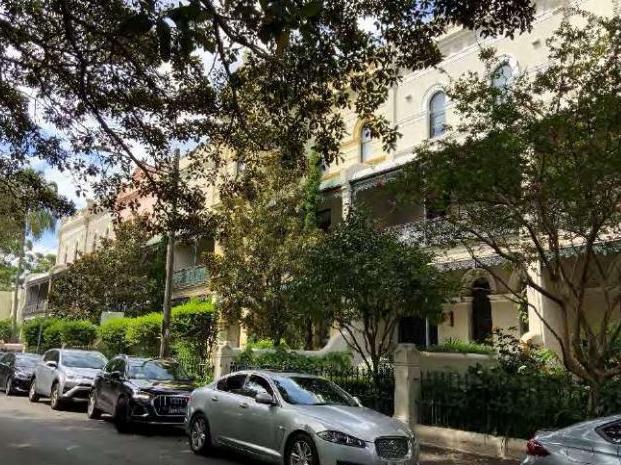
295	419
65	375
595	442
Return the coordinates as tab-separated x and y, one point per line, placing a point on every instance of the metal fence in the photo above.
377	394
499	403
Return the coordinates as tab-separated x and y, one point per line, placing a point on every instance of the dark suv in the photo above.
141	390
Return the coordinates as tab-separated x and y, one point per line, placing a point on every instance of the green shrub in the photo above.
52	335
457	346
143	334
6	330
282	359
78	333
31	330
113	337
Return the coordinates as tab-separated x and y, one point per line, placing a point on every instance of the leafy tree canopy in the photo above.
123	275
361	277
264	233
122	82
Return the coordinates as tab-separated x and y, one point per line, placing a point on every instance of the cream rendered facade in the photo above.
359	176
78	235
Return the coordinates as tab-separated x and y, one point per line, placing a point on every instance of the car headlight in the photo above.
142	396
341	438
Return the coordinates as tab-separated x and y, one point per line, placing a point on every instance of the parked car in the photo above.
65	375
141	390
595	442
16	370
294	419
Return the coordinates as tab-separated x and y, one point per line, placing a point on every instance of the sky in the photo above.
67	187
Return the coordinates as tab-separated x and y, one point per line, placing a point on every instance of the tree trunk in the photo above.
20	266
308	344
593	406
170	257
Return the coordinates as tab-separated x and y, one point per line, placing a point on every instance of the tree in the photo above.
240	76
30	208
122	275
361	277
533	174
263	234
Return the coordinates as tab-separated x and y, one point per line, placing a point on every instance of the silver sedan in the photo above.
596	442
294	419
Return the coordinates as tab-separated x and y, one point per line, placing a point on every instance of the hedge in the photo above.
143	334
6	330
113	337
292	361
58	333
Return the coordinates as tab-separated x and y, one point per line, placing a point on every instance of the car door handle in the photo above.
214	399
244	405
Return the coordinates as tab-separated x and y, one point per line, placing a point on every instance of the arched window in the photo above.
366	139
503	77
437	114
481	311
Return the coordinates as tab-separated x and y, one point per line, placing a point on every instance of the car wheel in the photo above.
56	397
122	421
92	411
32	393
8	388
302	451
199	438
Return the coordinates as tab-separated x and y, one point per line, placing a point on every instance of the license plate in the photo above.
180	411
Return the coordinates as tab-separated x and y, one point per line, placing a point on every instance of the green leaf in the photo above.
136	25
312	9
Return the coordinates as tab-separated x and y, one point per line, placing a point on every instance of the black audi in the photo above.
16	371
141	390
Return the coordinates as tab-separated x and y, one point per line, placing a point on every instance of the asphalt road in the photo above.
33	434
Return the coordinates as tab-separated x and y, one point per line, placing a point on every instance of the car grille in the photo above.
392	448
170	405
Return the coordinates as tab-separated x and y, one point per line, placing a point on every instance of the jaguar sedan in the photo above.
595	442
294	419
16	370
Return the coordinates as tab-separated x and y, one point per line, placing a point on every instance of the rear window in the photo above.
92	360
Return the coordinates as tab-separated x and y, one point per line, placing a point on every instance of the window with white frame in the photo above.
366	141
437	114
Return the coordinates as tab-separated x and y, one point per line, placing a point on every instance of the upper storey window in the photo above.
503	77
366	141
437	114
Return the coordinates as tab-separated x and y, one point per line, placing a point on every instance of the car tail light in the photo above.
535	449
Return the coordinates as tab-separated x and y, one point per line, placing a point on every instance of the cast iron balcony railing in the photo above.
190	277
33	309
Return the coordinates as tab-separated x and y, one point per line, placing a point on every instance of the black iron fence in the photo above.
503	404
374	392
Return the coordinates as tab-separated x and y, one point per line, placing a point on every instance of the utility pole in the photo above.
170	257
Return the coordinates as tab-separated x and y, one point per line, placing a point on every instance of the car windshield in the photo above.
26	361
84	360
157	370
300	390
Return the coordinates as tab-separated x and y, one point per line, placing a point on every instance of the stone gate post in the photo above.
407	382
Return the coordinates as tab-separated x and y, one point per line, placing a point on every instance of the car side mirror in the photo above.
51	364
264	398
116	375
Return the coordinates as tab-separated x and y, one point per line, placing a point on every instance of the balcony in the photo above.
190	277
35	309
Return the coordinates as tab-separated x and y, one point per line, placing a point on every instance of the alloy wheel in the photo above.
301	453
32	394
8	389
198	434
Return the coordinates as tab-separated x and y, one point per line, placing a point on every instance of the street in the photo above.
34	434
